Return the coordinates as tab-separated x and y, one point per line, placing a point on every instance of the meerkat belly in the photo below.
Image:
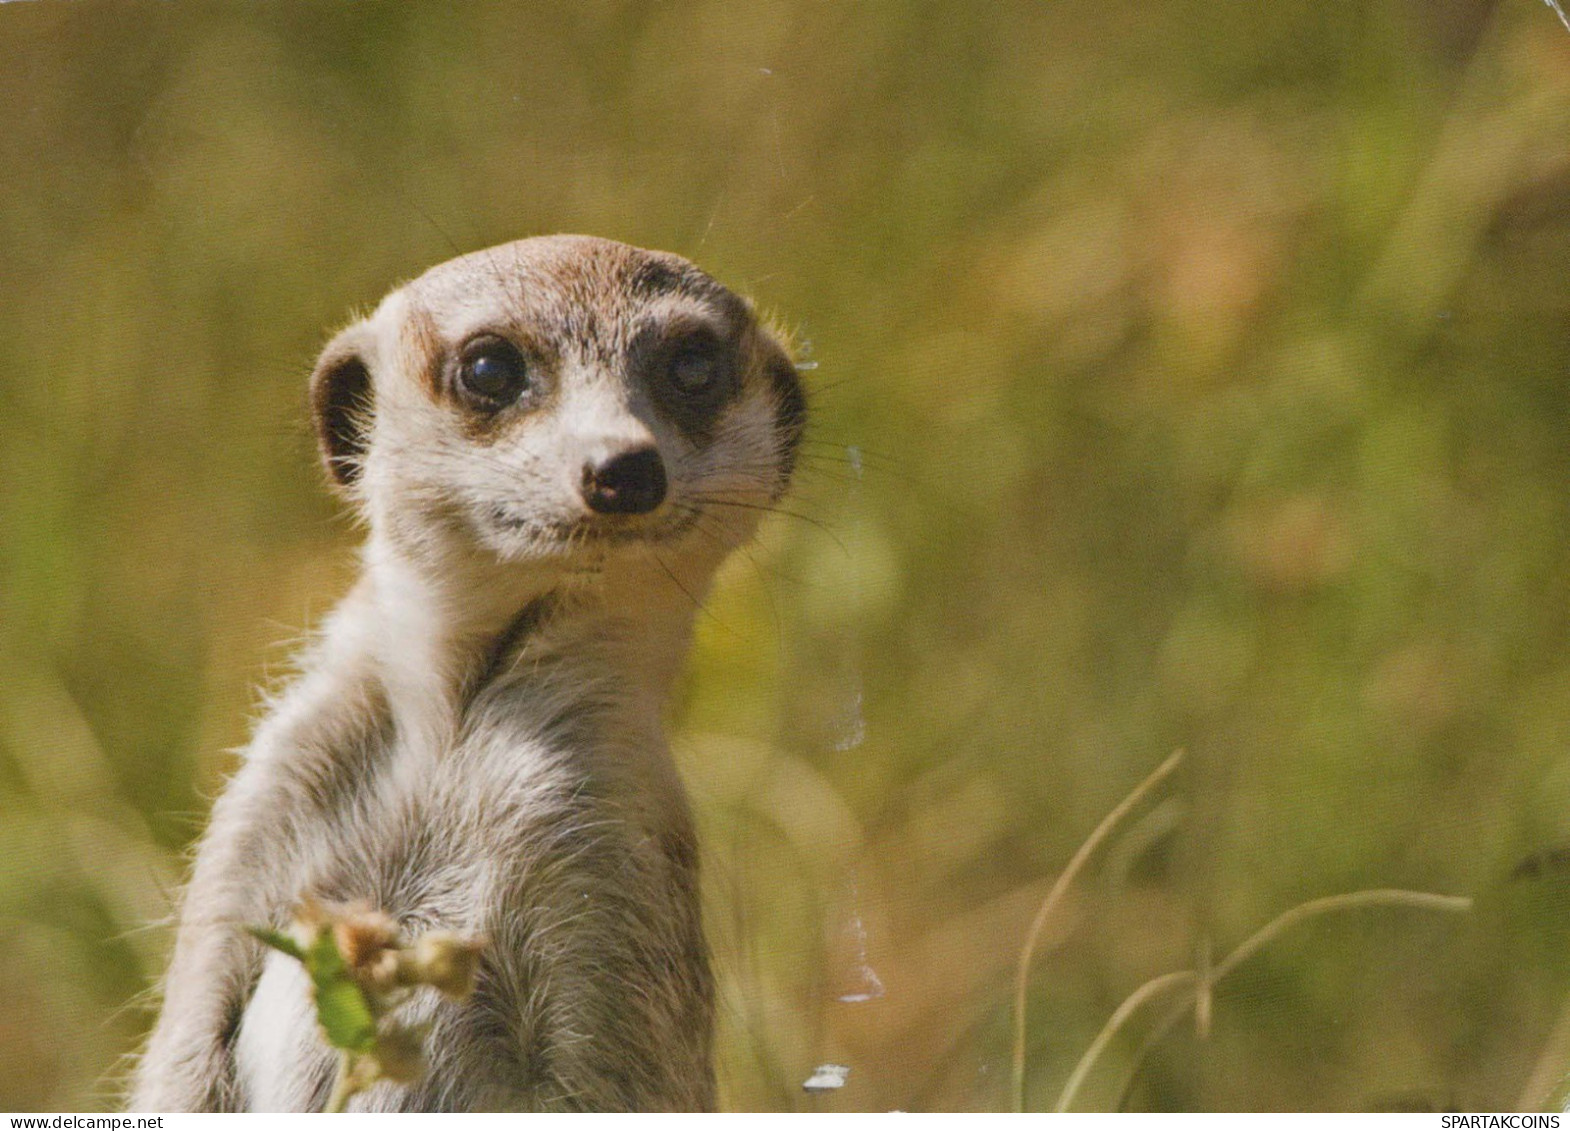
591	929
280	1061
395	843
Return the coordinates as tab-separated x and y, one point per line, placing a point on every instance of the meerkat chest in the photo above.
588	906
451	838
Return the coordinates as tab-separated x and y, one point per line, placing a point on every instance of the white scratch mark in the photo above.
865	984
826	1078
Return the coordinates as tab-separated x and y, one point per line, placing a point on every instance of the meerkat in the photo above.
553	444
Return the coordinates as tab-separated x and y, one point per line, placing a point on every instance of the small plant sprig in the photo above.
361	967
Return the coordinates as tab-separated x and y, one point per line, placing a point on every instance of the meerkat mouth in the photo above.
569	536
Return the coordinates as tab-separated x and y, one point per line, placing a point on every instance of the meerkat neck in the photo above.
435	637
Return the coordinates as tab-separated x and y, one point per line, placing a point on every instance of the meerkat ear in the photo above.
790	400
342	402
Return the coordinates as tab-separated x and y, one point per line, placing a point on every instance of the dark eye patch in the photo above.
693	373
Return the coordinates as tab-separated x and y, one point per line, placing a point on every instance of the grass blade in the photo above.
1348	901
1055	896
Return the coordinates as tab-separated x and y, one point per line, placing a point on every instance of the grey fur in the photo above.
475	740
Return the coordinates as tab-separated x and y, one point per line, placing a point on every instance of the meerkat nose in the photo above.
628	483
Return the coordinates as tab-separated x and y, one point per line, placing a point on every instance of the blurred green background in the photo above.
1184	375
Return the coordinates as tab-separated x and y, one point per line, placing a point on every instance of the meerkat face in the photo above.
556	399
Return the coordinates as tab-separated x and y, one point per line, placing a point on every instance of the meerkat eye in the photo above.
492	372
693	370
698	368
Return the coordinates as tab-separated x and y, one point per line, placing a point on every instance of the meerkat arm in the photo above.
188	1064
249	870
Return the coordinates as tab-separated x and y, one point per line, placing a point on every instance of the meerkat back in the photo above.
553	444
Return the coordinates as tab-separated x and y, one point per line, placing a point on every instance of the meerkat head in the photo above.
558	401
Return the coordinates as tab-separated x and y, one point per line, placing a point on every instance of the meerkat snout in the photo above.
629	483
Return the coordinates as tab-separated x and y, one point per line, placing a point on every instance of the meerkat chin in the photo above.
553	444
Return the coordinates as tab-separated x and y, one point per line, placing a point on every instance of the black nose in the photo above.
630	483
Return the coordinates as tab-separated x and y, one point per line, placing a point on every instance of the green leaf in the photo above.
344	1014
341	1006
278	941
